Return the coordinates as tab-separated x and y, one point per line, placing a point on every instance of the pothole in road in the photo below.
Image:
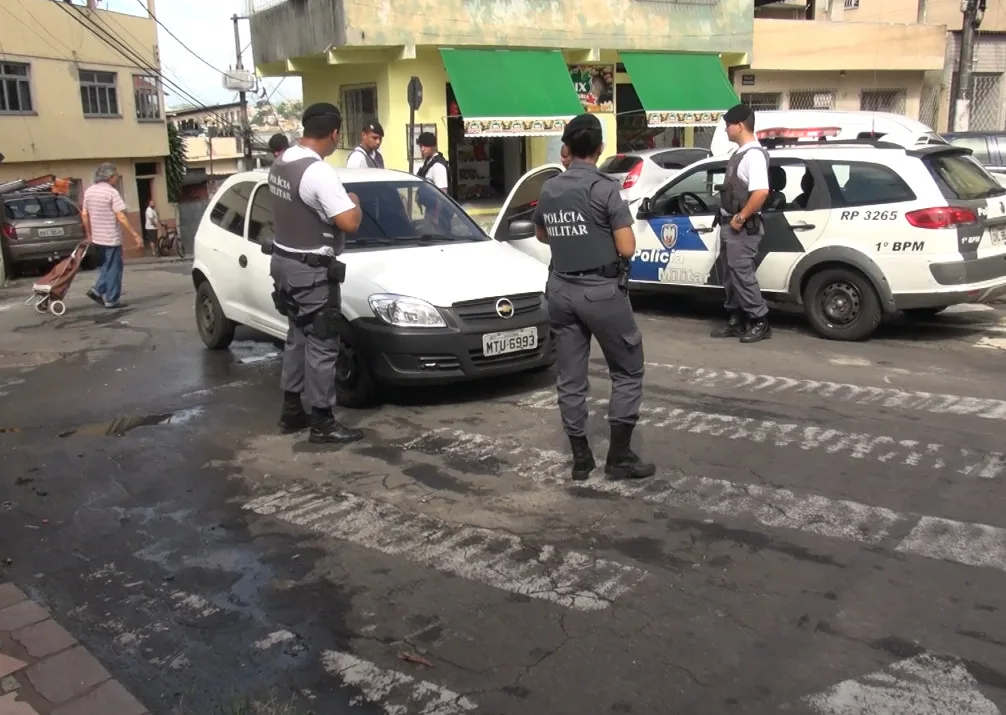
121	425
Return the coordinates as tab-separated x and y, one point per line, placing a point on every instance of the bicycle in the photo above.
170	242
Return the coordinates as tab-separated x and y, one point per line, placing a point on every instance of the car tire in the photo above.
923	313
842	304
355	384
214	327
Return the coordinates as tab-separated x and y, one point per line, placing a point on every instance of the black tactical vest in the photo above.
580	239
374	162
735	193
297	225
437	158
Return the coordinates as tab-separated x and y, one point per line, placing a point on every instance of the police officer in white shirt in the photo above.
367	154
745	188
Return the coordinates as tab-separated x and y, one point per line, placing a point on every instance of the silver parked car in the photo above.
640	171
38	227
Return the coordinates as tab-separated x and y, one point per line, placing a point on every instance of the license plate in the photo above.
510	341
49	232
997	235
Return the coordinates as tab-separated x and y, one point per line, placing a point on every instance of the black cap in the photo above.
427	139
737	114
373	126
320	109
278	142
580	123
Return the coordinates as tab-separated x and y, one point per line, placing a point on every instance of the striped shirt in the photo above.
102	201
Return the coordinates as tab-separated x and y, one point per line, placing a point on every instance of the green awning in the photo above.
679	89
512	92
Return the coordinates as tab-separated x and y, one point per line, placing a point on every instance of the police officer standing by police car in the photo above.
745	188
588	227
311	213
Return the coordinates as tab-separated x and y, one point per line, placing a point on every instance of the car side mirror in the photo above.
519	230
645	208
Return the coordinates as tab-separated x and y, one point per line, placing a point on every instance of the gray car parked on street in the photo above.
39	228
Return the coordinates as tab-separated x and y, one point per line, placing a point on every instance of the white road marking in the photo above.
274	638
378	686
850	362
967	308
932	537
993	343
571	579
888	450
933	402
924	685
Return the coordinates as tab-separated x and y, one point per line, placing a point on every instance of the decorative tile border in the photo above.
683	119
516	127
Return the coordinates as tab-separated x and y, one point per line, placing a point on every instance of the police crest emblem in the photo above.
669	235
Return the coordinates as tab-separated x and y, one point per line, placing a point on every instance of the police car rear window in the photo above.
620	164
962	177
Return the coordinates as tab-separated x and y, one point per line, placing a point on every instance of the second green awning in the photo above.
679	89
512	92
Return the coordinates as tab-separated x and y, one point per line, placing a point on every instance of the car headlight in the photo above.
405	312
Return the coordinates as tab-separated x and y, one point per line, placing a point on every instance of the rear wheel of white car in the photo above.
841	304
355	386
215	329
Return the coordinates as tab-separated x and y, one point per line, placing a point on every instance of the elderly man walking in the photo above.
104	215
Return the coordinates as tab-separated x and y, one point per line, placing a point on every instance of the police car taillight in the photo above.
941	217
795	134
633	176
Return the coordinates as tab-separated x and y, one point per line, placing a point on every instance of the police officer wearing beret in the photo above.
588	227
745	188
311	212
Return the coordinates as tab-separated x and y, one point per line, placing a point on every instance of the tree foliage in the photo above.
175	165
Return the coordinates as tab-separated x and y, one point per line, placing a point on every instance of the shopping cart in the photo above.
50	290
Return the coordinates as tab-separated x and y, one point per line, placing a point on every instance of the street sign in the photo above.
415	94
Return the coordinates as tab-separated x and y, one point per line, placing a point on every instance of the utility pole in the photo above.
245	128
973	11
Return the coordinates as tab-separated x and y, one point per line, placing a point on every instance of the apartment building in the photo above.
69	101
501	79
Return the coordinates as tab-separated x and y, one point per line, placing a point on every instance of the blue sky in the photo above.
205	27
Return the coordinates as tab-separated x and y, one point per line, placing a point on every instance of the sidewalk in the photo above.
44	671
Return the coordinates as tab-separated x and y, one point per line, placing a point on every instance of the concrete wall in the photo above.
56	47
938	12
297	29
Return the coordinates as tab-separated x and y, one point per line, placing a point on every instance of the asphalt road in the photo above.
825	534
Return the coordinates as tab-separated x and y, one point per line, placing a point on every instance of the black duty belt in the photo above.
315	260
608	271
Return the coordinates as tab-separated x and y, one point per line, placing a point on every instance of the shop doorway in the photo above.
632	133
482	169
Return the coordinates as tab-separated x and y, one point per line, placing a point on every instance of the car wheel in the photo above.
841	304
923	313
355	386
215	329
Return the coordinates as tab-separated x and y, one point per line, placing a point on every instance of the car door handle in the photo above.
704	230
243	261
802	226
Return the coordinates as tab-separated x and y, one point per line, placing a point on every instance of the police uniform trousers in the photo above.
738	250
309	359
581	306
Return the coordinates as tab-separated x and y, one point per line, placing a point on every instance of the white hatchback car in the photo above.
421	304
854	231
640	171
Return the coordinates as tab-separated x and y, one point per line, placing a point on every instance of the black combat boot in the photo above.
293	418
759	329
583	458
325	430
622	462
734	328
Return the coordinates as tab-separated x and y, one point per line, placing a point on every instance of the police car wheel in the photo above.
841	304
355	386
215	329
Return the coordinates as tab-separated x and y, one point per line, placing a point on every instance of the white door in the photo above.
676	242
520	206
221	234
257	283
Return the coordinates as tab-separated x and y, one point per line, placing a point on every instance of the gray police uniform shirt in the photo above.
579	210
305	196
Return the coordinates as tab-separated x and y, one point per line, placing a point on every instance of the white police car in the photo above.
854	230
415	309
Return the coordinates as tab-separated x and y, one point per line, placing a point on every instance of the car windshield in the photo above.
962	177
33	207
409	212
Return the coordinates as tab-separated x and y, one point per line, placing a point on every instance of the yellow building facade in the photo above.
69	101
500	81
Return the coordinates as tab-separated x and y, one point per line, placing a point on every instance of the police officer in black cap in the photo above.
311	213
367	154
745	188
588	227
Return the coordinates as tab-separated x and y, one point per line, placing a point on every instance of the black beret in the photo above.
427	139
738	113
373	126
321	109
580	123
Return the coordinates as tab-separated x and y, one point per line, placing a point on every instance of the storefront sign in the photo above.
515	127
683	119
595	86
